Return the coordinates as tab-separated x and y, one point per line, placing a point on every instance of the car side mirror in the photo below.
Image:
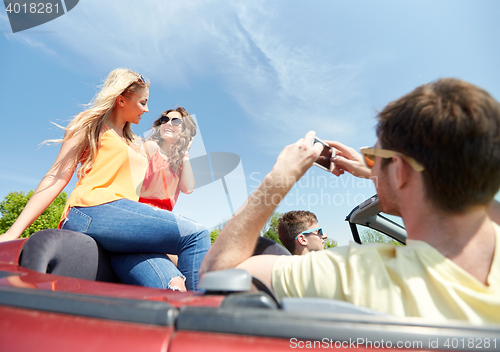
368	214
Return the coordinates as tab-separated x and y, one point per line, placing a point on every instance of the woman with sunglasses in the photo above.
169	170
104	203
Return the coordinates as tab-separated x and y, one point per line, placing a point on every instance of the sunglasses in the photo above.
308	232
142	79
370	154
175	121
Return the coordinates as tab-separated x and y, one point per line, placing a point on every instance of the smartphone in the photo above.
324	160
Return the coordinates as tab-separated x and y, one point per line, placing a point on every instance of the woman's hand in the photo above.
9	236
49	188
348	159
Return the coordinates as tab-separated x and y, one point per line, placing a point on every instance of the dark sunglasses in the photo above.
175	121
308	232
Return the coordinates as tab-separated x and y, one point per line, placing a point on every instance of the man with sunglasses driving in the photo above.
299	232
437	165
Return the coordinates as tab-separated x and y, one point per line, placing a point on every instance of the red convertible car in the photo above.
58	293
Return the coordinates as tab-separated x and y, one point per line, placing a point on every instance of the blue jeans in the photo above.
128	227
145	269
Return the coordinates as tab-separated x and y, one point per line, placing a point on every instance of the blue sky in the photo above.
258	75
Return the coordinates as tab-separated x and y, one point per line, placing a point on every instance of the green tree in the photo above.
270	229
374	236
331	244
14	203
214	233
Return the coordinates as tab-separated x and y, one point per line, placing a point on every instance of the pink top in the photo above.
161	186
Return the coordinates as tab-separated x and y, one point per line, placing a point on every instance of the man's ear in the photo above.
400	171
302	240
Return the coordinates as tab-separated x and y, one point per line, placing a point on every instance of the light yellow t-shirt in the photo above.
415	280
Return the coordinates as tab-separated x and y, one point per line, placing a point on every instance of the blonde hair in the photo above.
90	122
180	146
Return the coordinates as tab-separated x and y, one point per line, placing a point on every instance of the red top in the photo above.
161	186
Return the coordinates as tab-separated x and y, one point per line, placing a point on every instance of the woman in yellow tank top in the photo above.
104	204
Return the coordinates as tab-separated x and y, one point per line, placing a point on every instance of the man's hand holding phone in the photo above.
338	158
325	159
348	159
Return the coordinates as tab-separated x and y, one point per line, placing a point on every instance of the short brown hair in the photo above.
293	223
452	128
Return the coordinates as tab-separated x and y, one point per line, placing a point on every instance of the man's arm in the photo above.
237	240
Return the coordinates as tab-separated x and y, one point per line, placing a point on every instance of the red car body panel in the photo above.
31	330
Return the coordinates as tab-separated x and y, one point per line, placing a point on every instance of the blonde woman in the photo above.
104	203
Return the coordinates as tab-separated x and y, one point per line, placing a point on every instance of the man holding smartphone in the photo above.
437	165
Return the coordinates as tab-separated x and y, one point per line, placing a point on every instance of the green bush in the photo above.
331	243
374	236
14	203
214	234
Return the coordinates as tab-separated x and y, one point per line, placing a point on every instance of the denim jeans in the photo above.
127	227
145	269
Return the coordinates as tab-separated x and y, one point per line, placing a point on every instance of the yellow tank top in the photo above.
117	173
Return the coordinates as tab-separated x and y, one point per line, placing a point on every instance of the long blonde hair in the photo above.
180	146
91	121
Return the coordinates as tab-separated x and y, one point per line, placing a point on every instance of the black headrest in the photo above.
67	253
268	246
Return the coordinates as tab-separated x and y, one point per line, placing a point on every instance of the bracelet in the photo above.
185	158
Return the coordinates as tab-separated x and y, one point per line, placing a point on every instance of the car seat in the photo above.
76	255
268	246
67	253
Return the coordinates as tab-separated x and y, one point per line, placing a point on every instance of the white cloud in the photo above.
281	86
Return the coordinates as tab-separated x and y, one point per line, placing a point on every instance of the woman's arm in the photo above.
150	147
187	181
49	188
